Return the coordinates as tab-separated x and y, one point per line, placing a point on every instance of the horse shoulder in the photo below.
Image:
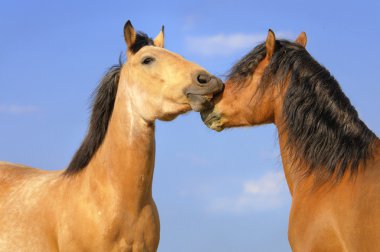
24	208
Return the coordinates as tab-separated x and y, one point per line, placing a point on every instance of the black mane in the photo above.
141	40
323	128
102	108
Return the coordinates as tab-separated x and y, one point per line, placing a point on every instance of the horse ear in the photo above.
159	40
129	34
270	43
301	39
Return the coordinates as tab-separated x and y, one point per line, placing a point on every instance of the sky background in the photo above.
214	191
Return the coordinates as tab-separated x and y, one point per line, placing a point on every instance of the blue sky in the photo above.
215	191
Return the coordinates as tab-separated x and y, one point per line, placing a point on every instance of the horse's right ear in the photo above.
301	39
270	44
159	40
129	34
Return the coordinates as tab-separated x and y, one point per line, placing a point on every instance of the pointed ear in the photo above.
270	43
129	34
301	39
159	40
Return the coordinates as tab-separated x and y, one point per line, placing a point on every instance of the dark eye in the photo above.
147	60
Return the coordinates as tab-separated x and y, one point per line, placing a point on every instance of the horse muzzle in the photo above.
212	119
200	94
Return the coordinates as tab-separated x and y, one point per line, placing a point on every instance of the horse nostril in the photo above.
203	78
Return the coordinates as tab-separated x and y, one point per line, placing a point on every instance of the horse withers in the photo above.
103	200
331	159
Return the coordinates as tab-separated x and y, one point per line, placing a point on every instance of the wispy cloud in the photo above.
18	109
226	44
267	192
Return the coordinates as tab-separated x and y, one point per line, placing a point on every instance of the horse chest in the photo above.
143	233
123	231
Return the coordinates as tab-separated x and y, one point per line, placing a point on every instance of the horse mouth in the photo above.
200	102
212	120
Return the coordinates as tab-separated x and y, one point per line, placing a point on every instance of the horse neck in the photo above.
296	171
124	162
291	177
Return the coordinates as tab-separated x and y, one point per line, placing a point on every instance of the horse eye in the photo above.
147	60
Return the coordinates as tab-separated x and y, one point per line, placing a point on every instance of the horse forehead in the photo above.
162	52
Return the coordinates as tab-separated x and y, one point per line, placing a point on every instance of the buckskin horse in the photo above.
330	158
103	200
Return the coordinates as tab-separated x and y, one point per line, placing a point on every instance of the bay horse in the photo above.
103	200
331	159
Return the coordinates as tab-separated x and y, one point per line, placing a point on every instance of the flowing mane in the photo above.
102	108
323	127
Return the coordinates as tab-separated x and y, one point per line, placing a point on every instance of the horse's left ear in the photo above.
159	40
301	39
129	34
270	44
